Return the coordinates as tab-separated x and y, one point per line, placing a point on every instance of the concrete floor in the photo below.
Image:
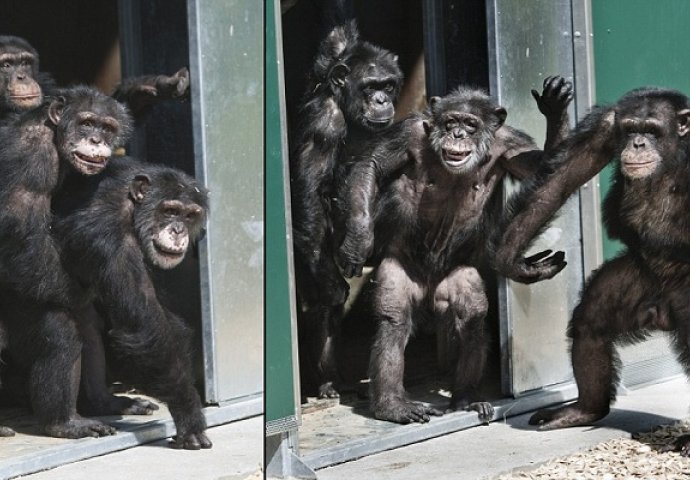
237	454
485	452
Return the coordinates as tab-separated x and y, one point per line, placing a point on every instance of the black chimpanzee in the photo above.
139	217
74	134
23	86
643	289
350	97
438	174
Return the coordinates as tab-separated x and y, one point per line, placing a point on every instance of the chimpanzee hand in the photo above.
355	250
555	97
538	267
174	86
680	444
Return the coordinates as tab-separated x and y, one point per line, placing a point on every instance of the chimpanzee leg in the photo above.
55	358
94	397
159	364
460	301
677	296
4	431
327	323
610	309
395	297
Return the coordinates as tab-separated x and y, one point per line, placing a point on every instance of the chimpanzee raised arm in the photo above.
439	175
645	287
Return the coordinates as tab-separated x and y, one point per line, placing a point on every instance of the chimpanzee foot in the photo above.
191	441
680	444
6	432
79	427
137	406
119	405
401	411
327	390
568	416
484	410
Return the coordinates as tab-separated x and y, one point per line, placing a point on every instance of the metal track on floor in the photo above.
132	431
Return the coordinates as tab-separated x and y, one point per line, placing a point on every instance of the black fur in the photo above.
353	85
37	295
645	288
437	174
104	238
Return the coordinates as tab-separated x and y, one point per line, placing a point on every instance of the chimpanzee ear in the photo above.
501	115
139	187
683	122
433	101
55	110
337	74
427	127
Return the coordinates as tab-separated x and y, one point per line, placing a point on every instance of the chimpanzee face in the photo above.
167	218
650	133
18	72
461	129
90	126
369	83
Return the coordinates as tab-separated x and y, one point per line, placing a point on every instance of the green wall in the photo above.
280	399
637	43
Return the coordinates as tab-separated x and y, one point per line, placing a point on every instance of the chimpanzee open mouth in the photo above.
25	99
31	96
379	122
639	164
95	160
455	158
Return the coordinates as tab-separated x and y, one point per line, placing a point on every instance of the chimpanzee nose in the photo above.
21	76
458	133
639	142
177	228
96	140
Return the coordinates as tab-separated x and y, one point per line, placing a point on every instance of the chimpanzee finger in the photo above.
555	83
536	95
537	256
554	259
547	81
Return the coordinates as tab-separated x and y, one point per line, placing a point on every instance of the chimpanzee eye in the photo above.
87	123
389	88
171	212
451	124
6	65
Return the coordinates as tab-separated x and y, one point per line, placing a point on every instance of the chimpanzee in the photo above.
438	174
74	134
138	217
350	98
23	86
643	289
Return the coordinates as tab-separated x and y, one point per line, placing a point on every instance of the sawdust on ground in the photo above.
639	457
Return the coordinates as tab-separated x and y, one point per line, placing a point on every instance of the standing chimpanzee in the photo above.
643	289
139	217
74	134
349	99
439	175
23	86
